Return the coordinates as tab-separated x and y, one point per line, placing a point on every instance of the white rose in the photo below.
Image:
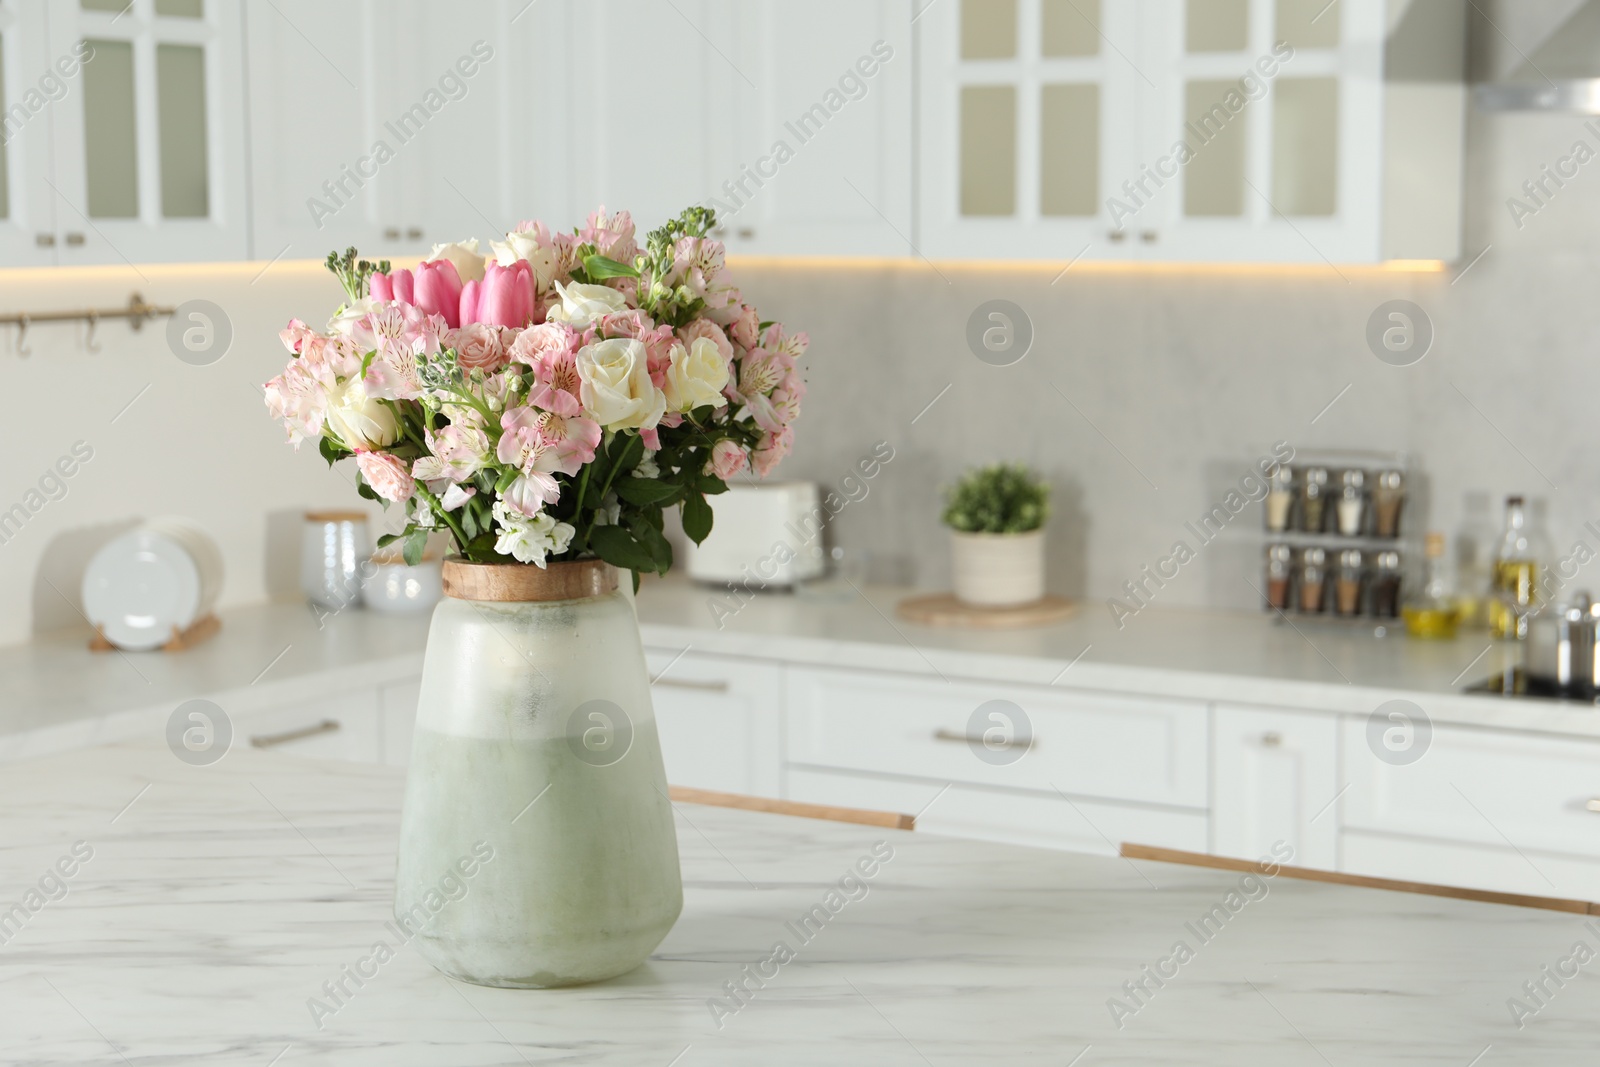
582	304
523	244
696	376
614	384
358	420
463	256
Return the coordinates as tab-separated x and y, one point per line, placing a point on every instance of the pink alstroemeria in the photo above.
522	447
760	372
696	261
568	441
438	290
612	236
771	449
300	400
295	335
551	350
455	496
457	452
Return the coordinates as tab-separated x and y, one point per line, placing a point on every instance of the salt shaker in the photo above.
1351	509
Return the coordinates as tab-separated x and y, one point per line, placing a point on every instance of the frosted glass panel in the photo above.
1307	23
988	29
112	6
1069	150
181	98
1214	178
1217	25
1069	27
181	9
5	135
988	150
109	137
1305	146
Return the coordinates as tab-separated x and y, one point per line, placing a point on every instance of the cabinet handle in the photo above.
391	233
951	735
414	232
1148	236
74	239
1116	236
1593	805
326	726
45	240
746	232
1272	739
682	683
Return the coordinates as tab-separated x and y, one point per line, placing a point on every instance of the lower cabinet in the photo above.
720	721
1275	778
342	726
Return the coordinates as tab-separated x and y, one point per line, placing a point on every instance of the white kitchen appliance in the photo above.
767	536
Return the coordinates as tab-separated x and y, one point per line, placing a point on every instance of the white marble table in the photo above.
218	900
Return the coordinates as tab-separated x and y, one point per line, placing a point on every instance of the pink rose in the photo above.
727	459
771	449
387	475
746	327
478	347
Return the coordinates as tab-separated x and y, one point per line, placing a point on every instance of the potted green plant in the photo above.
996	517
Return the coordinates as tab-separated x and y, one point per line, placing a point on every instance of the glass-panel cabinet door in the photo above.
149	146
1029	122
30	87
1260	140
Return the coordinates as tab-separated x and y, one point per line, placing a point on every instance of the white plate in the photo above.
141	586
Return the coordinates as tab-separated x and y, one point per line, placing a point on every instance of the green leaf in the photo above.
619	548
644	491
627	449
696	517
330	451
365	490
711	485
507	476
416	544
659	547
388	539
599	267
469	523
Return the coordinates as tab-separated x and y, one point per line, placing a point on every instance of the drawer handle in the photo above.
1593	805
1272	739
326	726
951	735
682	683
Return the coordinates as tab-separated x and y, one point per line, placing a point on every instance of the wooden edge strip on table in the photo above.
862	816
1486	896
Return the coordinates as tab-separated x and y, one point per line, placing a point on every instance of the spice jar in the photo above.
1386	586
1347	587
1313	499
1351	508
1388	497
1280	495
1278	559
1313	578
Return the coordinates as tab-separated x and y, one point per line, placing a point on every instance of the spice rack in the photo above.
1352	523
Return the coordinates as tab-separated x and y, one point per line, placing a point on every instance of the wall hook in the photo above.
89	341
22	336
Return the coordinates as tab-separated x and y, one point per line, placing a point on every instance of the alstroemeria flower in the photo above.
457	452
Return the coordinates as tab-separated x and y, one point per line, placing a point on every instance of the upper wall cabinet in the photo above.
28	88
1191	130
146	150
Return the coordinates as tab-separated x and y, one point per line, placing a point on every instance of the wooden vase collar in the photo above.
527	583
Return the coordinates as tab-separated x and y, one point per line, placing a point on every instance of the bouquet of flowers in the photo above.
551	400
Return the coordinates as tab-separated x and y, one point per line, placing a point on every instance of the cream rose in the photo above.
463	256
524	244
359	420
614	385
582	304
696	376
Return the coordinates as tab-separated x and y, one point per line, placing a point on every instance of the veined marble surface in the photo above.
218	901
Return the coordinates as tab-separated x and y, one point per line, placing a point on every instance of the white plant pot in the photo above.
997	570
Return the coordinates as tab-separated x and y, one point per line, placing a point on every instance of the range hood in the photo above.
1562	74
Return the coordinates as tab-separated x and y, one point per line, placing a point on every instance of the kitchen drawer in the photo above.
1487	787
1276	774
1501	869
294	728
1116	748
1013	818
719	721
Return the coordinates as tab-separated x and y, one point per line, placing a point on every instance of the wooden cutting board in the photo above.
943	609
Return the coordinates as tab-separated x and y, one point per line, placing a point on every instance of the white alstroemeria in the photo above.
530	540
647	467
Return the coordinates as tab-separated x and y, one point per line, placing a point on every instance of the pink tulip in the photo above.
469	302
438	289
506	298
396	285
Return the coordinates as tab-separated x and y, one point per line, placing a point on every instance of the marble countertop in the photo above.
57	695
215	902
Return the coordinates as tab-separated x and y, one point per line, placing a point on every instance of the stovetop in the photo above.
1515	682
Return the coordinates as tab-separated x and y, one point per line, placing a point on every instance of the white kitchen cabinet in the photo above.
147	146
720	721
1310	132
823	106
341	726
30	83
1141	750
1275	778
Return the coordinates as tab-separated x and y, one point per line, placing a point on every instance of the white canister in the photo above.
997	570
393	585
333	554
155	581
